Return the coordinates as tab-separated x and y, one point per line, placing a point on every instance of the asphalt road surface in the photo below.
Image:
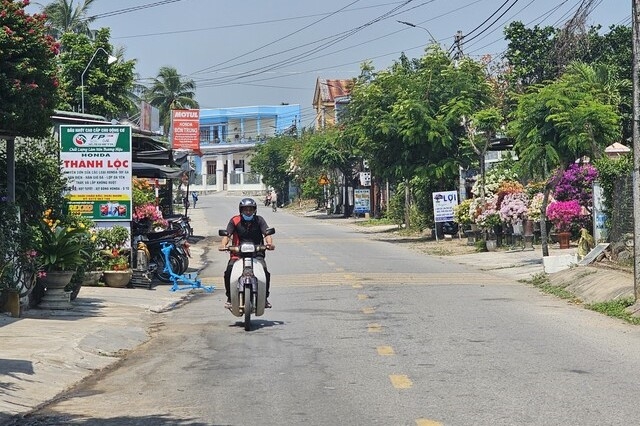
365	332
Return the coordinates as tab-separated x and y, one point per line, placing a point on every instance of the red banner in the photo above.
186	129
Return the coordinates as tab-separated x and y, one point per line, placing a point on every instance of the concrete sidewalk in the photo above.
45	352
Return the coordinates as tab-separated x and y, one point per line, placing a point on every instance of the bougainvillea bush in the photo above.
28	83
564	214
577	184
514	208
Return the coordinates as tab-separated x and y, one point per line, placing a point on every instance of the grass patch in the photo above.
615	309
376	222
438	251
541	281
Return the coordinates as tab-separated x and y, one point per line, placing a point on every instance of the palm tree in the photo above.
169	91
63	17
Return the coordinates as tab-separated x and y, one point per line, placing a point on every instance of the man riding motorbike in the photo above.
246	226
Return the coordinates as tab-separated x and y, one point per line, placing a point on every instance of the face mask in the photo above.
247	217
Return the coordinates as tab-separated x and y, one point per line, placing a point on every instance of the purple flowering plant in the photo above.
576	184
563	214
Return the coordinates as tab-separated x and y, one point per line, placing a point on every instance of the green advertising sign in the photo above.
96	160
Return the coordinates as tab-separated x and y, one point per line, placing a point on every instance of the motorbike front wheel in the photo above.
247	308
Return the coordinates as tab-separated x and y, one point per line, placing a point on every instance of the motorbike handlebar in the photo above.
236	249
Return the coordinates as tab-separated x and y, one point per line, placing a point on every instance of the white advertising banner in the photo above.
443	204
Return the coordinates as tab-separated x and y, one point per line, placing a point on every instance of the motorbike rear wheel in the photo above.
247	309
176	266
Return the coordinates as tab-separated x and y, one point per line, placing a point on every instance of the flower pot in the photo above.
492	245
11	303
57	279
528	228
563	239
517	228
55	297
118	279
91	278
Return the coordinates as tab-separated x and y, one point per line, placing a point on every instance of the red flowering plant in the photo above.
564	214
28	71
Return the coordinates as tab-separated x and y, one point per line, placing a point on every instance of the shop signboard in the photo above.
96	160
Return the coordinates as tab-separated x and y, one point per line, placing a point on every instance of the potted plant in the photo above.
115	252
563	215
18	261
513	210
61	247
90	272
462	216
148	217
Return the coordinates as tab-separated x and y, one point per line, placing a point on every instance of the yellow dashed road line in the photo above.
374	328
368	310
400	381
385	351
427	422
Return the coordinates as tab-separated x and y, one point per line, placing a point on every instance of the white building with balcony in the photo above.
228	137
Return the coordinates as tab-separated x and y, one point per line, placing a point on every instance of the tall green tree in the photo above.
169	90
28	72
408	120
63	17
106	86
273	160
556	124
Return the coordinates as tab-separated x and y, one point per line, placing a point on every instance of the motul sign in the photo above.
185	124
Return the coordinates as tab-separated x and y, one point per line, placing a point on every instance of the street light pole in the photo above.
111	59
433	39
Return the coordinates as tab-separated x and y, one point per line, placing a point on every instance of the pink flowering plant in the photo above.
149	212
564	214
488	215
514	207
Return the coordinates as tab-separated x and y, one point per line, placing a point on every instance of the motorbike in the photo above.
154	242
180	221
248	280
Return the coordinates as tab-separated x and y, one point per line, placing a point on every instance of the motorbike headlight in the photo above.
247	248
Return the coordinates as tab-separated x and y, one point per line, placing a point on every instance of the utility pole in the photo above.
457	43
636	148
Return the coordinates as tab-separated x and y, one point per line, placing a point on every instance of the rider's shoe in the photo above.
228	305
267	304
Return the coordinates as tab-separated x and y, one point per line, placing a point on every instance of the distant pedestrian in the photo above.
194	195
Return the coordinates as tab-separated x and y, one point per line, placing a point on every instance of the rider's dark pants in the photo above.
227	275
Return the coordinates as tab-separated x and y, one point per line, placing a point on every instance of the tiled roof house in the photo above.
329	98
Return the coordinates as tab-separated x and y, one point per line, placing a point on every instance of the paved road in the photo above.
346	343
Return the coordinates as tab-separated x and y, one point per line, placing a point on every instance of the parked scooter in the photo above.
249	293
180	221
179	255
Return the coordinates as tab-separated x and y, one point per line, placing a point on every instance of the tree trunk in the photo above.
543	222
407	204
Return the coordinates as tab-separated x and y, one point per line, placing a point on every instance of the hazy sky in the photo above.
259	52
